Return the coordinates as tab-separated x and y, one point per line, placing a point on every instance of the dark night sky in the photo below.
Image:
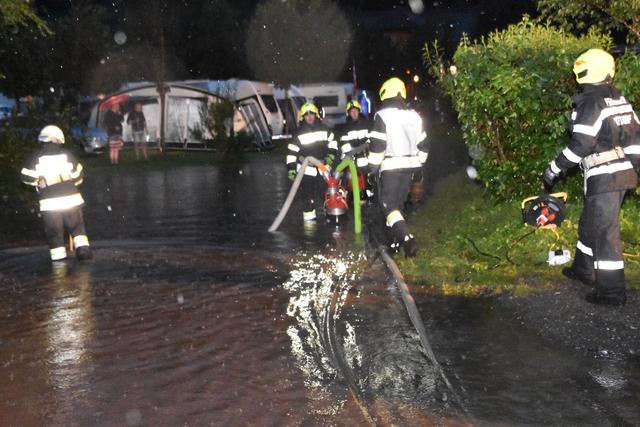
444	20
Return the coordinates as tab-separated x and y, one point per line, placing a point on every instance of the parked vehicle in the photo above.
289	102
330	98
92	140
5	111
248	94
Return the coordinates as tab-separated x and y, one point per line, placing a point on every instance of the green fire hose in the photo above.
347	162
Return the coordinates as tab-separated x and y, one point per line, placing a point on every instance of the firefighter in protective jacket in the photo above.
397	151
55	173
312	138
354	140
605	143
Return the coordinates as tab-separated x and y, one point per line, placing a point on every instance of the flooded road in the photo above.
191	313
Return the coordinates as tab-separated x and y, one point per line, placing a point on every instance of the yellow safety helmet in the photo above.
353	104
308	107
51	133
392	87
593	66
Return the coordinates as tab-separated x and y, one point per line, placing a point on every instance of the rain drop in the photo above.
120	37
416	6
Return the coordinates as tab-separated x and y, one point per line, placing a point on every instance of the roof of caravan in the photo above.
186	84
347	85
278	92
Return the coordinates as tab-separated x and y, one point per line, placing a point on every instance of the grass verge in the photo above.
471	245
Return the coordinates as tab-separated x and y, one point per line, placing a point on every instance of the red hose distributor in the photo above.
335	202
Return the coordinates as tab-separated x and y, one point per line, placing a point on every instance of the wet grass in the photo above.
471	245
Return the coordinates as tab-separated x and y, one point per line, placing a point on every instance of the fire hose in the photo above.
346	162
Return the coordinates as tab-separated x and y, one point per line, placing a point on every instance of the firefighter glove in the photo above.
329	159
292	174
549	177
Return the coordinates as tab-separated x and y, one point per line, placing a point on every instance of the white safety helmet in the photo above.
51	133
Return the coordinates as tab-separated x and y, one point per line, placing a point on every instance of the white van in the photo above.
330	98
290	102
247	93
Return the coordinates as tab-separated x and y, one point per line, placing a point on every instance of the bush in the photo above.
512	93
627	77
14	149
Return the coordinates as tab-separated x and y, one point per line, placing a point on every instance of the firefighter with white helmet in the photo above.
397	152
606	144
56	173
354	140
312	138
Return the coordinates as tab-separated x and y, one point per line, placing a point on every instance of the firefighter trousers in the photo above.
311	193
599	249
392	194
55	224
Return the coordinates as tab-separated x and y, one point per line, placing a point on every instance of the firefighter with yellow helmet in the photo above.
397	152
55	173
605	142
312	138
354	140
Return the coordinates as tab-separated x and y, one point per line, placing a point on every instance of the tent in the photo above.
186	108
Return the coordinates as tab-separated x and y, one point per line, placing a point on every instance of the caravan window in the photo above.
299	101
326	101
270	103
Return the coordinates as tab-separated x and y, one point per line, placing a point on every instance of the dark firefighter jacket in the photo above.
55	173
311	140
353	135
398	138
604	140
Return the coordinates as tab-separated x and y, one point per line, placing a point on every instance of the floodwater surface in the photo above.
191	313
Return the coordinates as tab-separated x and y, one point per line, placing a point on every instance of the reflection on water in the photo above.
318	286
69	326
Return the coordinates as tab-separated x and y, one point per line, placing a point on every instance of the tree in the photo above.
19	13
298	41
23	66
76	47
16	19
608	15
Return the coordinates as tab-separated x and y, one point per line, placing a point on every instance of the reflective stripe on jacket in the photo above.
398	139
602	119
315	140
55	172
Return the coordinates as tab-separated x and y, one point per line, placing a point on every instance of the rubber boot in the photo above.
84	253
595	298
410	246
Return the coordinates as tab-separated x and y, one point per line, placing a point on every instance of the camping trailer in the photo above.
290	101
330	98
253	96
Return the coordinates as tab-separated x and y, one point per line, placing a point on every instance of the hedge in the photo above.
512	94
